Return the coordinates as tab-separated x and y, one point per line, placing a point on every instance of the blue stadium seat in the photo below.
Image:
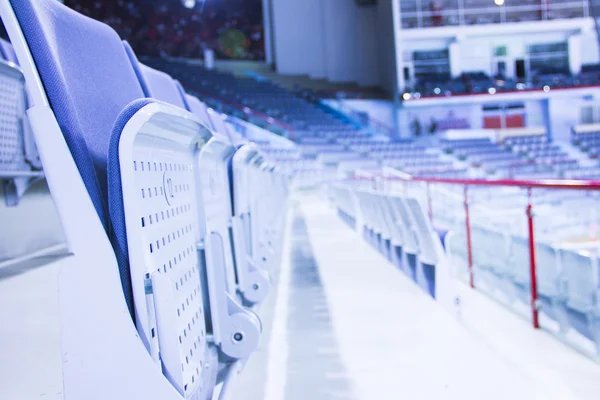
123	171
156	84
214	162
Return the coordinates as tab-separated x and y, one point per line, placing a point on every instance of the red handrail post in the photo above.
532	263
430	205
468	229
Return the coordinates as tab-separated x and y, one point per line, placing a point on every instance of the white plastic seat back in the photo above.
259	215
217	199
366	209
410	241
342	197
371	212
162	199
379	225
392	219
428	241
396	225
212	170
382	215
253	281
12	104
347	201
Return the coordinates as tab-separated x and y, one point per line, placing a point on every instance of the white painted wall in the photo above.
475	53
575	51
590	53
332	39
564	111
298	33
32	226
535	113
387	60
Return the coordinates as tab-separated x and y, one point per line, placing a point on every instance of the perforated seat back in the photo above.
390	220
427	247
213	164
161	200
241	167
12	109
364	208
379	215
76	56
396	225
410	242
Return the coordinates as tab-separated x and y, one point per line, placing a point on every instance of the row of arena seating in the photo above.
20	165
565	277
587	141
374	153
305	118
513	156
478	82
172	228
397	224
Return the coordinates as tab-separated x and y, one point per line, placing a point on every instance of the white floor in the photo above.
378	336
396	342
30	359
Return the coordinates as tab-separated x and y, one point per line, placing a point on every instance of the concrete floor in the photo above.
341	323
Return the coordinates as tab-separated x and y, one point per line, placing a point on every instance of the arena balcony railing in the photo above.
421	15
528	244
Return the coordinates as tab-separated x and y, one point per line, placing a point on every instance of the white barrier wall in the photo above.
30	227
330	39
556	112
472	48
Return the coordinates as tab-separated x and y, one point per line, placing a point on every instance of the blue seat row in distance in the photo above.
156	301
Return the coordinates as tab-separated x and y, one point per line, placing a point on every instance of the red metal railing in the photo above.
528	185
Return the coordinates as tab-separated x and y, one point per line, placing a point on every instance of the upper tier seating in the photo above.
479	82
258	95
587	140
517	155
150	305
